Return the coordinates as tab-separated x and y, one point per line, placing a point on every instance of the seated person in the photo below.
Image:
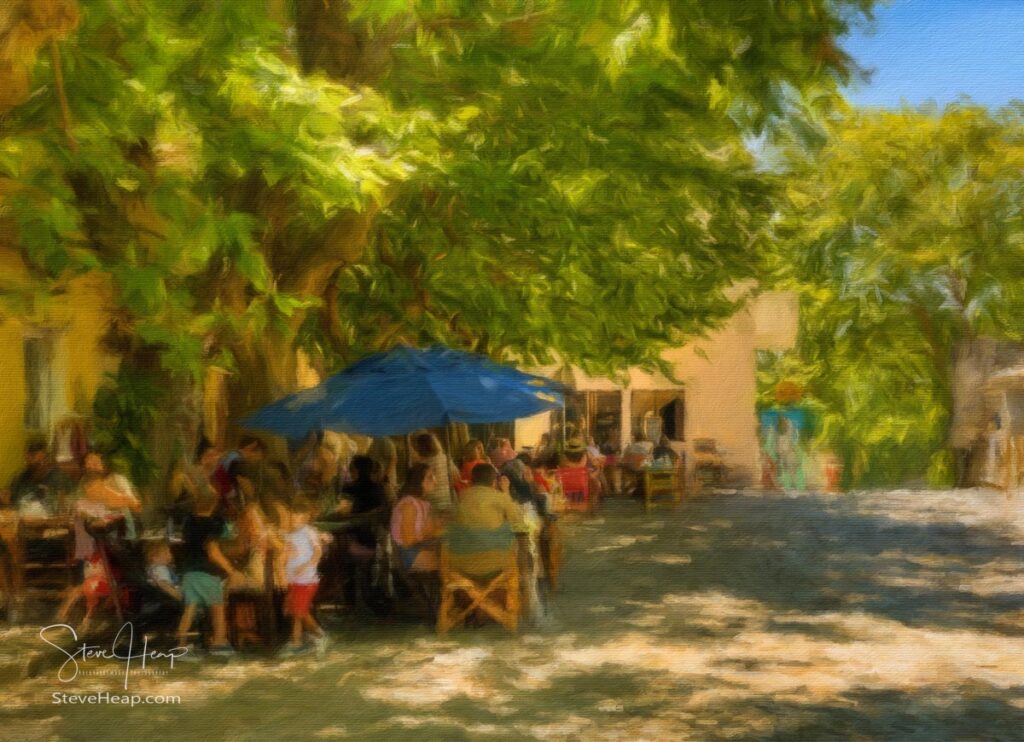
501	452
366	498
413	526
484	525
161	602
38	490
521	485
664	451
472	454
575	456
634	458
545	448
160	569
637	451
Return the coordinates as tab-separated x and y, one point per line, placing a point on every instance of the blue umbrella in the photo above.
408	389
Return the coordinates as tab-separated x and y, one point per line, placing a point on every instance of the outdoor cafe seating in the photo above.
462	594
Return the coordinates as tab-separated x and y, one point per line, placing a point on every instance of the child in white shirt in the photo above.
160	569
303	552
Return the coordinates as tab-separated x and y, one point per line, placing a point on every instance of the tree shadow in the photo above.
806	555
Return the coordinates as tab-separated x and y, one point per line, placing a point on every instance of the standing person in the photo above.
788	455
385	455
99	500
544	448
472	454
40	487
413	526
302	552
204	566
365	497
188	480
98	506
237	476
117	479
321	475
427	450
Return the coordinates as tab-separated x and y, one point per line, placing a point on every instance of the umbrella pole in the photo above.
448	440
563	423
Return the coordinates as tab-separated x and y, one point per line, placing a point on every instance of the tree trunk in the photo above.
266	371
973	362
327	41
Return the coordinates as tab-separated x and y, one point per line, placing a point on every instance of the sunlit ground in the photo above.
893	615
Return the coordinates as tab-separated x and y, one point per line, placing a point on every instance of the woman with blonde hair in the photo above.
427	450
472	454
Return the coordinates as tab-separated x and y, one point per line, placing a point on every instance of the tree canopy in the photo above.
520	177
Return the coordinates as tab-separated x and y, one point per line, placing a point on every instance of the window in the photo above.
40	384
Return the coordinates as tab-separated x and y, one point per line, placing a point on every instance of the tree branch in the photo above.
62	98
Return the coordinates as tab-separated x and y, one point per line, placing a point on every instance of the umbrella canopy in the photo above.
407	389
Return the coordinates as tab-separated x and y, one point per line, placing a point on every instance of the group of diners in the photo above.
242	522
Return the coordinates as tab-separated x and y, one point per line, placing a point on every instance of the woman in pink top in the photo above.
413	527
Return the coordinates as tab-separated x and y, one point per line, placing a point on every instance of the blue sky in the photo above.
937	50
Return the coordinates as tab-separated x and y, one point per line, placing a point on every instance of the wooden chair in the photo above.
481	595
662	488
575	482
421	586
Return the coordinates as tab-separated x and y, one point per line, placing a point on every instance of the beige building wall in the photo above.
717	376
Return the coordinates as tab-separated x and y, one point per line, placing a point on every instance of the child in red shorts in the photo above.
303	552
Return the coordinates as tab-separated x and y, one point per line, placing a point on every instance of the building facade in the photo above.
51	360
713	397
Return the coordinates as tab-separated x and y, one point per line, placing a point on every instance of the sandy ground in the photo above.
874	615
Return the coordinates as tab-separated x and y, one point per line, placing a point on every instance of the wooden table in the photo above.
17	532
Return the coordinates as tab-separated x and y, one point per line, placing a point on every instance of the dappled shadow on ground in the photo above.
886	615
815	554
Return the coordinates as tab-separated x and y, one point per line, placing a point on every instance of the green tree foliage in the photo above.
600	197
905	232
518	177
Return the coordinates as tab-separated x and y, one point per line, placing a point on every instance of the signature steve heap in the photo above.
122	648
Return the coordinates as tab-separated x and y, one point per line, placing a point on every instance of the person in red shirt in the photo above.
229	480
472	454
